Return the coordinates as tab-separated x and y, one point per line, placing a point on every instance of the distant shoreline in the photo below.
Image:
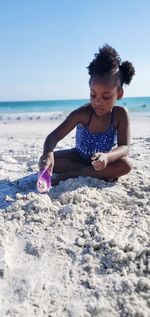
63	107
35	117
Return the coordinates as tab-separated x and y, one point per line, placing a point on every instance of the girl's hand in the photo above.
99	161
47	160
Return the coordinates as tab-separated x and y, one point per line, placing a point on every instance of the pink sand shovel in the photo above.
44	180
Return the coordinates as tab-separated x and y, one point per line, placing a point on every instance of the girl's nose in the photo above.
98	100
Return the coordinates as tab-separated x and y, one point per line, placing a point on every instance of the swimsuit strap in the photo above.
90	117
111	122
112	117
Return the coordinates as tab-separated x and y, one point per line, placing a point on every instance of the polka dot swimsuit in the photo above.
88	143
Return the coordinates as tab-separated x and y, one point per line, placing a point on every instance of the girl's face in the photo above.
103	95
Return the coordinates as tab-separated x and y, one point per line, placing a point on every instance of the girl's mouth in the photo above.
98	109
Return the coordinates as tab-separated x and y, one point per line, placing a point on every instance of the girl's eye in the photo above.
107	97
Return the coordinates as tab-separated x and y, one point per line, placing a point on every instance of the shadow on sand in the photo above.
22	185
27	184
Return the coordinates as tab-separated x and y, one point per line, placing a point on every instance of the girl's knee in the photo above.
60	164
127	164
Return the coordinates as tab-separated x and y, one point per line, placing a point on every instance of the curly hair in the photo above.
107	64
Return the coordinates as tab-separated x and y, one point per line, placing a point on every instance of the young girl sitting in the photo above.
102	128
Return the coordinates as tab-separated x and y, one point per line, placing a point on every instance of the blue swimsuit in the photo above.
88	143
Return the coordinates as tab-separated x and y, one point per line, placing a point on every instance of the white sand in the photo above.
83	249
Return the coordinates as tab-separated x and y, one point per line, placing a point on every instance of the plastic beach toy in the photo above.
44	180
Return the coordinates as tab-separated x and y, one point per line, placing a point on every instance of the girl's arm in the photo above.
79	115
60	132
47	158
100	160
123	134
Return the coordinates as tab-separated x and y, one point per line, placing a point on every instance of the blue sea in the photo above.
133	104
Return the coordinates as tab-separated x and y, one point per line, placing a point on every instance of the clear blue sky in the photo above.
46	45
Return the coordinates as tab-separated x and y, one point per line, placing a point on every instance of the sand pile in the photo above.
83	249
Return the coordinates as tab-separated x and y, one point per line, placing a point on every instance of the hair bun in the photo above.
127	71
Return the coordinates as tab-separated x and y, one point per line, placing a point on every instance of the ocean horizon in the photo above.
133	104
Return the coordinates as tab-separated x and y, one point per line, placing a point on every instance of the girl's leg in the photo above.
112	171
68	160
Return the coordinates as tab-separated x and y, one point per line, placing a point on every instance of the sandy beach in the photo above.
83	249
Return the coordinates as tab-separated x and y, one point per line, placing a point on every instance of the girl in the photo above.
102	128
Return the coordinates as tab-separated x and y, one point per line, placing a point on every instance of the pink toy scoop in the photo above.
44	180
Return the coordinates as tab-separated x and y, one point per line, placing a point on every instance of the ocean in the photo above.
133	104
